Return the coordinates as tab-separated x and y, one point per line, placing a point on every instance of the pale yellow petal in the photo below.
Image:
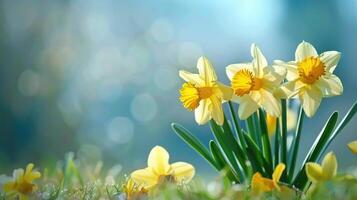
232	69
23	197
278	171
305	50
330	59
191	78
202	112
353	146
145	177
291	119
310	98
291	69
314	172
18	174
217	110
329	166
226	91
330	85
275	75
259	61
247	106
159	160
206	71
291	88
182	172
270	103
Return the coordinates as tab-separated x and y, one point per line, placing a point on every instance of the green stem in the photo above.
257	129
283	149
276	144
296	144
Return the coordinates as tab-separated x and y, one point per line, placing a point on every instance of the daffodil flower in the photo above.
353	146
310	76
22	183
159	170
260	184
291	122
254	85
203	93
319	173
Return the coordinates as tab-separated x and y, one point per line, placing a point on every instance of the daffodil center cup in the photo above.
243	82
310	70
192	95
25	187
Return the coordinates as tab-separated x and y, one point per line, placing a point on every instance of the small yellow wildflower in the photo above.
22	183
353	146
319	173
203	93
254	85
310	76
260	184
132	190
159	170
291	122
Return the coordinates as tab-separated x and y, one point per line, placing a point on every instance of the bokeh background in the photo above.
100	78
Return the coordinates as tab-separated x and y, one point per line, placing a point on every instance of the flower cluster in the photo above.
257	84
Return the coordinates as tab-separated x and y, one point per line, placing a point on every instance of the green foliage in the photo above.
246	151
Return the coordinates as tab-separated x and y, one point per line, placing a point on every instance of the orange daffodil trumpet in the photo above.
159	170
326	171
260	184
203	93
22	183
254	85
310	76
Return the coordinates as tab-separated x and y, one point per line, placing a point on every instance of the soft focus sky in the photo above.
101	77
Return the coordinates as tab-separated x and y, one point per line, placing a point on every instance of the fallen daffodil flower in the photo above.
160	171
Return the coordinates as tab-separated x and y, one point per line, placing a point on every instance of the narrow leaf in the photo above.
192	141
265	137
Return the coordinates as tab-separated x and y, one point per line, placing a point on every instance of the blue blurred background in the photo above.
100	78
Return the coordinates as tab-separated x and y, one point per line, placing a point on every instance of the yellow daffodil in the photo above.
353	146
22	183
260	184
159	170
254	85
291	122
310	76
203	93
132	190
318	173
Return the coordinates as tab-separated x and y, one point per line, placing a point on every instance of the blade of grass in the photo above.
265	138
192	141
301	179
296	144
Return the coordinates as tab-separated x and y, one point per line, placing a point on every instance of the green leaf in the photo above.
296	144
301	179
219	158
265	137
192	141
348	117
253	149
237	127
227	151
283	141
